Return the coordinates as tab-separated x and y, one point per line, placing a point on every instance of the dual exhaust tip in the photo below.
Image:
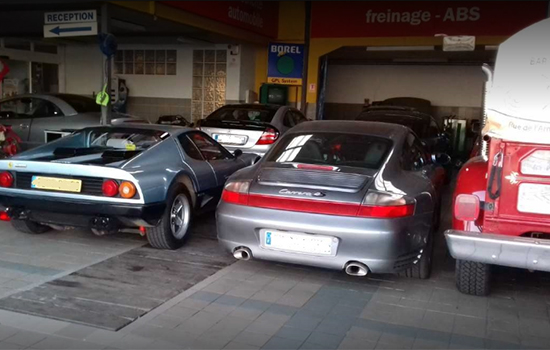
352	268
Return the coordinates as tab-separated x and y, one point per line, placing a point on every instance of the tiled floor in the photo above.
255	304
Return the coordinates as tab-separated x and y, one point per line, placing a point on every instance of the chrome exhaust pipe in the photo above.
242	253
355	268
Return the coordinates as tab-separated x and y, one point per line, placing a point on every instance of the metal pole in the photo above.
105	27
303	103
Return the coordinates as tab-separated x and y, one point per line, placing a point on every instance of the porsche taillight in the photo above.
386	205
236	192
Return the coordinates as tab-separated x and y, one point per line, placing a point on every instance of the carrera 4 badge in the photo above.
301	193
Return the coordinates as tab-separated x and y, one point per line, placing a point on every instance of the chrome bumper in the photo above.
512	251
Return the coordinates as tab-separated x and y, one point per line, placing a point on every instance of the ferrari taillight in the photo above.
467	207
268	137
6	179
236	192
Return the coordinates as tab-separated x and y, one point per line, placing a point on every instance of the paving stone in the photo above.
238	346
243	312
293	333
429	344
336	325
200	322
242	292
103	337
64	343
408	316
10	346
252	338
76	331
263	327
7	331
277	343
459	341
25	339
163	345
167	321
295	299
205	296
438	321
132	341
305	322
325	340
229	300
256	305
269	296
366	334
149	331
356	343
534	327
379	312
469	326
282	310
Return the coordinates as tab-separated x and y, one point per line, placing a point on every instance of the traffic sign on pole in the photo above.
70	29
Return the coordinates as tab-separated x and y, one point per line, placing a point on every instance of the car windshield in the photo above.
80	104
418	125
124	139
243	114
332	149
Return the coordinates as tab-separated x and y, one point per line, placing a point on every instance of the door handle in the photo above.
24	126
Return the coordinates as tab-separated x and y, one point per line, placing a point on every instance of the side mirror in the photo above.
238	153
441	158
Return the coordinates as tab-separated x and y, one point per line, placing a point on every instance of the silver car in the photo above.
107	178
253	128
31	115
355	196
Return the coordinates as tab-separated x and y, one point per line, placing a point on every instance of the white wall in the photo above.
83	69
248	71
457	86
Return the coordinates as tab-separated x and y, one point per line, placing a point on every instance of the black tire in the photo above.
423	268
30	227
473	278
161	236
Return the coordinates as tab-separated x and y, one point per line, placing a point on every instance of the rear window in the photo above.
81	104
264	115
333	149
124	139
417	125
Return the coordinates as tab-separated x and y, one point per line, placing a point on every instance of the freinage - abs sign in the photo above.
344	19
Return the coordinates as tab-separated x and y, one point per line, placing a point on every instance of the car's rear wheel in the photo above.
173	229
473	278
28	226
422	269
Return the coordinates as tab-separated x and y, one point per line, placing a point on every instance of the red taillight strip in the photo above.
317	206
303	205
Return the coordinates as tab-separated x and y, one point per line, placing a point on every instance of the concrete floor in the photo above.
256	304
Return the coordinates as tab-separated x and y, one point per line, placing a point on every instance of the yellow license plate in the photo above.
56	184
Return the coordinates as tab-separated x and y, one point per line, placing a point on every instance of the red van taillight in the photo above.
375	205
269	137
467	207
6	179
236	192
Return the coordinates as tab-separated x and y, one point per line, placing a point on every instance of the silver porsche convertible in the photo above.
151	177
355	196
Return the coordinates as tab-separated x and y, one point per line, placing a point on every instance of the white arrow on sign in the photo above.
70	29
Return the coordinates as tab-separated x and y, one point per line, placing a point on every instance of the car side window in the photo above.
46	109
20	108
189	147
433	129
209	148
299	117
288	120
413	156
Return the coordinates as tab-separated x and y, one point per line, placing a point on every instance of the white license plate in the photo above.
56	184
230	139
299	242
534	198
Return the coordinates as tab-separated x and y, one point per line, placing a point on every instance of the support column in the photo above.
105	27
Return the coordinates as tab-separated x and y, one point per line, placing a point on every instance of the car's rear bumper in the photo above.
260	150
495	249
385	246
82	213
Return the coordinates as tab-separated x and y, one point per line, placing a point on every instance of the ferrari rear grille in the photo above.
317	178
90	185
